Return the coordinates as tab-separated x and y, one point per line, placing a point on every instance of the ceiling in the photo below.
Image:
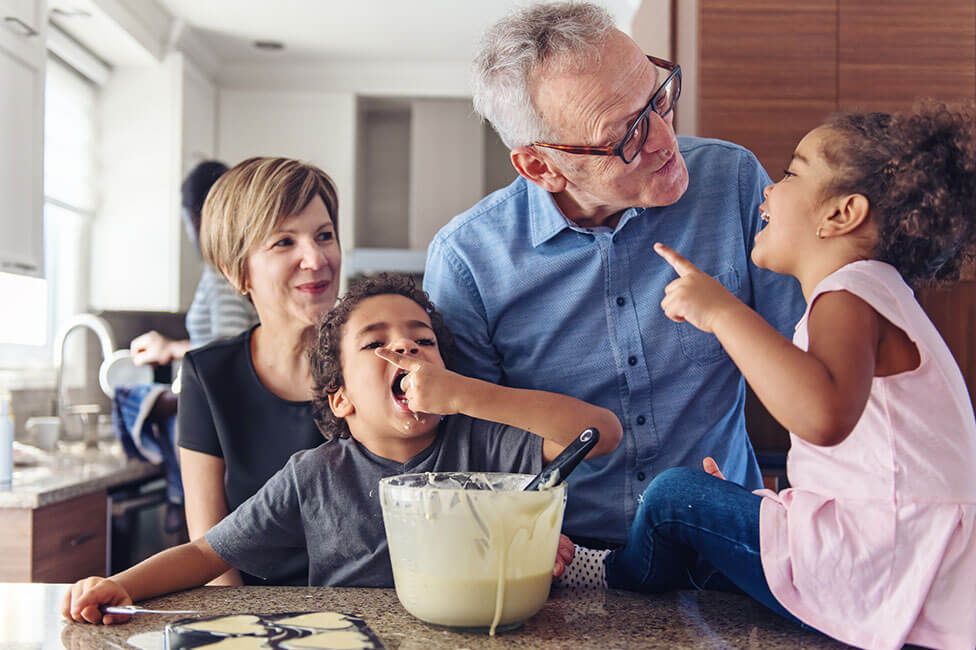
351	30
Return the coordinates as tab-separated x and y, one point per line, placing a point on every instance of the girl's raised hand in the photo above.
428	388
695	297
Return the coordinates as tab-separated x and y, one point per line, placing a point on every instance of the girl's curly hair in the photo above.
918	172
325	355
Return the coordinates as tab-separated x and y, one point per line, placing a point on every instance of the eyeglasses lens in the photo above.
635	139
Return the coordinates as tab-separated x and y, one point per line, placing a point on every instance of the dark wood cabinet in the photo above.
771	71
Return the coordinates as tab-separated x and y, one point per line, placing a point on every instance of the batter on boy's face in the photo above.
369	398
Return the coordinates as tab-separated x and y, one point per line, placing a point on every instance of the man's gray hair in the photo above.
515	48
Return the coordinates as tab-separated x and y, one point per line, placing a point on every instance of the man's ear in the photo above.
539	169
850	213
340	404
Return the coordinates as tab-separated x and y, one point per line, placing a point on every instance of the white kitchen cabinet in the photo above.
22	58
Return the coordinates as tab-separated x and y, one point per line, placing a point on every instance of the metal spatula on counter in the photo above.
556	472
135	609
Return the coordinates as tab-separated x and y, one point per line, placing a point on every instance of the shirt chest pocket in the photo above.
701	347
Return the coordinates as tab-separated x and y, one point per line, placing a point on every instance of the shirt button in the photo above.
641	476
632	361
641	419
621	301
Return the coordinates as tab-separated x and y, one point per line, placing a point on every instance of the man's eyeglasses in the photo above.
662	102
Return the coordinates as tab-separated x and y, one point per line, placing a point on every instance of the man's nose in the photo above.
660	134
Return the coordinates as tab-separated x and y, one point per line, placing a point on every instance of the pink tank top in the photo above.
875	542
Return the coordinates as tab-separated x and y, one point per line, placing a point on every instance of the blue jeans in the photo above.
694	531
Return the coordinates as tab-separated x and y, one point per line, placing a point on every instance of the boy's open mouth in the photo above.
397	388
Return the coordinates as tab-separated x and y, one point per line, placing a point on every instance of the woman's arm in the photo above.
559	419
818	394
206	504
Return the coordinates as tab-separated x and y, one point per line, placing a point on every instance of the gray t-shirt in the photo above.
326	500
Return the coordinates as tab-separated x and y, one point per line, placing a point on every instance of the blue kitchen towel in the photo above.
152	442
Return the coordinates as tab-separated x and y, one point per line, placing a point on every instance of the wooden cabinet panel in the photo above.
768	73
62	542
70	539
15	545
953	311
891	53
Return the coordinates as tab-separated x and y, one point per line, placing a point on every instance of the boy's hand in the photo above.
564	556
83	601
428	388
694	297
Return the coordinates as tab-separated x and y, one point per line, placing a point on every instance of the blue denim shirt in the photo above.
535	301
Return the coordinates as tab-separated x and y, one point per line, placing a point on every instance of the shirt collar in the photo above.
546	219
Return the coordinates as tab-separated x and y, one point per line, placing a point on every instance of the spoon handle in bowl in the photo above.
567	461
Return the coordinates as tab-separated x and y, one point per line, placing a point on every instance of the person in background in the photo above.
218	310
875	542
387	405
551	283
271	226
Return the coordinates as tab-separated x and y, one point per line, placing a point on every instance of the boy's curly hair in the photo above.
918	172
325	355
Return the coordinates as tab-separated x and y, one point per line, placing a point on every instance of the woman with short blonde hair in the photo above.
270	225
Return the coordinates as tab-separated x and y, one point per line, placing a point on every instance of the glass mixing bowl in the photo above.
471	550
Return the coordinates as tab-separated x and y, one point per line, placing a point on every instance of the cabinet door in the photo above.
891	53
21	138
768	73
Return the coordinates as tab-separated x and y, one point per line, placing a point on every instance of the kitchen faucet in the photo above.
107	342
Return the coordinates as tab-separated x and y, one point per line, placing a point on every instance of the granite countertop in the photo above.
73	472
578	620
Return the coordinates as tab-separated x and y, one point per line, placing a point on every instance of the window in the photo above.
37	306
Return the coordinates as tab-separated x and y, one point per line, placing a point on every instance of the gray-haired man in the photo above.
551	283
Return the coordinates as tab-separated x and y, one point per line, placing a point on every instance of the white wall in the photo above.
317	127
446	165
199	119
135	234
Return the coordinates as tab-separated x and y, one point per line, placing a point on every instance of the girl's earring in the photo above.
819	233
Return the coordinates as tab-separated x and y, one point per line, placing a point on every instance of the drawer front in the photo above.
70	539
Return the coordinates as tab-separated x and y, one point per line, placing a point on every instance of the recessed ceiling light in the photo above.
269	45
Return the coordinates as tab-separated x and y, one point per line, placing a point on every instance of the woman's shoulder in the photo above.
218	352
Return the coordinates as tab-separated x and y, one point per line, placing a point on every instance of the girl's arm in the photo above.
819	394
175	569
206	503
556	418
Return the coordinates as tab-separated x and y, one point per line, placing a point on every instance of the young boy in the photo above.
381	393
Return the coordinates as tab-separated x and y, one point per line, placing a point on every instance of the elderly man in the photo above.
552	283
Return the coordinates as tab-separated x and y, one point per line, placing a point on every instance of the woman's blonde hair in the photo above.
250	201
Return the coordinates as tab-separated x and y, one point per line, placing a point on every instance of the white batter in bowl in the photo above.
471	550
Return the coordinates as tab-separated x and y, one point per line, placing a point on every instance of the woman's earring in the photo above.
819	233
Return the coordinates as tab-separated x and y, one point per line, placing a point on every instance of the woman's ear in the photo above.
537	168
850	213
243	289
340	404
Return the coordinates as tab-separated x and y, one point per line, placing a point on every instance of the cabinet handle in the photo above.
81	539
16	24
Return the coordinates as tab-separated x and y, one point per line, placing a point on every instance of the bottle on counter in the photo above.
6	442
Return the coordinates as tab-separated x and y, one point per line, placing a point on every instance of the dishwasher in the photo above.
141	523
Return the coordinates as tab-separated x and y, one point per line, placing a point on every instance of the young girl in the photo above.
875	542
